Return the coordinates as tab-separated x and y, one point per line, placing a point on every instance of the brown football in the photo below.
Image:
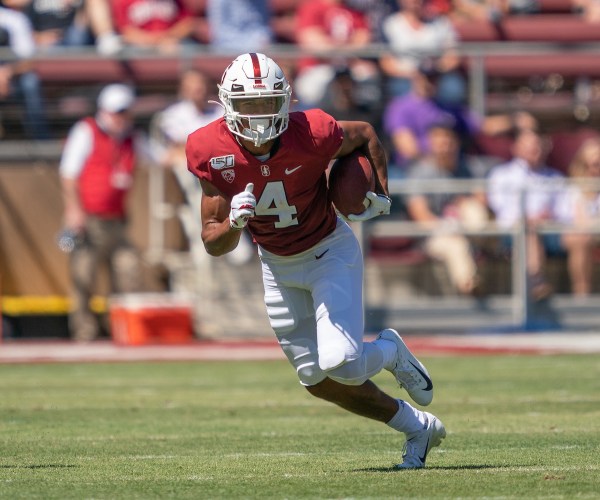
350	178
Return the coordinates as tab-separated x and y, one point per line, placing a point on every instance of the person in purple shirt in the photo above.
408	118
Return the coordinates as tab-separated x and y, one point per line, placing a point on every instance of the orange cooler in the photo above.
143	319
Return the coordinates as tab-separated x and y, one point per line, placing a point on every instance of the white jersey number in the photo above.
273	201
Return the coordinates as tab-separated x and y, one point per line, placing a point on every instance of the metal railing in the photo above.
474	54
451	312
519	310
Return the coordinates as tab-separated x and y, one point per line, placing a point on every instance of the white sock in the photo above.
389	350
407	419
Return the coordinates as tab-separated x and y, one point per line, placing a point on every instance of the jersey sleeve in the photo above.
197	162
325	131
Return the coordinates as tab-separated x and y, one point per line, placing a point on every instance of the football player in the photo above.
263	167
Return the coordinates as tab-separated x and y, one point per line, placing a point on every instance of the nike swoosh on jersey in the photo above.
424	375
289	171
319	256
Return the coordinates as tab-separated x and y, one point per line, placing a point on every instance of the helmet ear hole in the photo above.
255	76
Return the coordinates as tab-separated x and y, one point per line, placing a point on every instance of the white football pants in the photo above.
315	306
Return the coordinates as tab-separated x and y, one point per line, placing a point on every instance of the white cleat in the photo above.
409	371
419	443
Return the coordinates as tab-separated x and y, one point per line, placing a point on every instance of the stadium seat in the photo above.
480	31
498	146
555	6
531	28
565	63
551	28
396	249
81	70
155	70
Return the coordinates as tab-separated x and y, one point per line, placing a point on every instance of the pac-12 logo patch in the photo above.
228	175
221	162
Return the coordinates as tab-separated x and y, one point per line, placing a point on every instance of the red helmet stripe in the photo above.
256	65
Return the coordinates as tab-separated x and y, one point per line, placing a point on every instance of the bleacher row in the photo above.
555	21
521	47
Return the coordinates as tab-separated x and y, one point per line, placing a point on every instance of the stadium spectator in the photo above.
580	208
71	23
587	9
480	10
341	100
327	26
443	213
407	119
412	36
263	168
376	11
56	23
97	172
171	128
99	13
192	111
19	82
527	176
519	7
161	25
494	11
238	25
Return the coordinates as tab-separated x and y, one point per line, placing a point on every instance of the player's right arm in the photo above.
220	234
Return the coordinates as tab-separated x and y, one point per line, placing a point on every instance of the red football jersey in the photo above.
148	15
293	212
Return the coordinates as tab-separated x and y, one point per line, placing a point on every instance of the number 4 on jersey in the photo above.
273	201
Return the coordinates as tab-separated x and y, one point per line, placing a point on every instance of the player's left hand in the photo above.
377	204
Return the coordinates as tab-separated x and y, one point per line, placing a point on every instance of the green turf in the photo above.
518	427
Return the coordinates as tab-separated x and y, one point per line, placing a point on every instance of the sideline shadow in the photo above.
38	466
440	467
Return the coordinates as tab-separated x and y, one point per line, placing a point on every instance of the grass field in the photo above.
518	427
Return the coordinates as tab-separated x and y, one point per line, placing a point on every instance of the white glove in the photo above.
242	208
377	204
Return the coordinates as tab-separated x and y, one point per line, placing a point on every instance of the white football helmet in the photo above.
256	96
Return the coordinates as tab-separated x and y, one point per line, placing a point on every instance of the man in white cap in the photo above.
96	171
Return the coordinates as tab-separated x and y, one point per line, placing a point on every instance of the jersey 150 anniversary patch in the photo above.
221	162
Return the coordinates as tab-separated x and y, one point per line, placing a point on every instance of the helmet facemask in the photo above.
256	97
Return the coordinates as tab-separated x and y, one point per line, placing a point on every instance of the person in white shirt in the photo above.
191	111
97	172
580	208
171	128
527	175
413	35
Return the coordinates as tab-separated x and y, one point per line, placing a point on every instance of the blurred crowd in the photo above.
414	92
410	31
